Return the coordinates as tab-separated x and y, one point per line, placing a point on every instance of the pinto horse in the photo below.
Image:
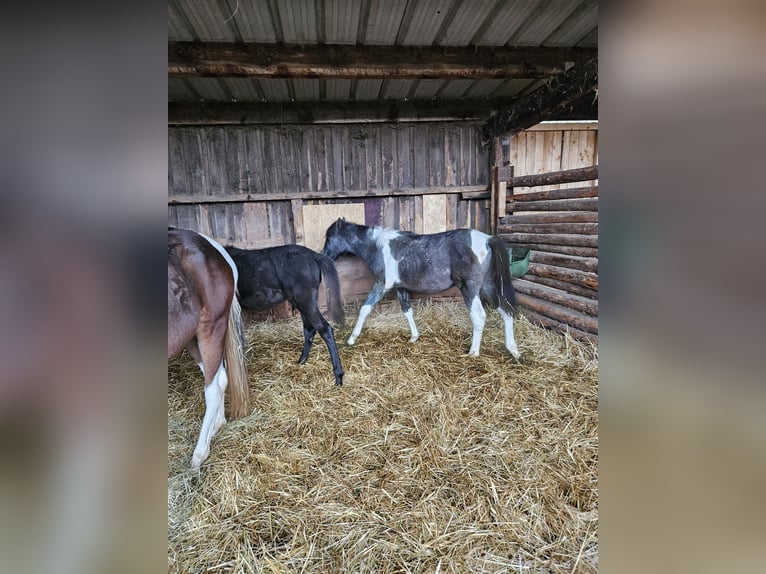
476	263
292	272
204	317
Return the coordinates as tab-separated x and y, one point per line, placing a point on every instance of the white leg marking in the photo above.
510	342
214	416
413	328
478	317
363	312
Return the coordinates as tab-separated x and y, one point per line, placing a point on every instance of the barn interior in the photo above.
420	115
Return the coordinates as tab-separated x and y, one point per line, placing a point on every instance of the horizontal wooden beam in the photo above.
568	217
580	251
219	59
588	173
581	228
241	113
562	285
576	319
573	88
342	194
582	278
566	193
576	302
589	264
587	204
559	326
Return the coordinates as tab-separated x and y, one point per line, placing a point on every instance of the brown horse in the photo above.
204	317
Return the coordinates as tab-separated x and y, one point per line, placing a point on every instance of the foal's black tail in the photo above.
500	274
332	284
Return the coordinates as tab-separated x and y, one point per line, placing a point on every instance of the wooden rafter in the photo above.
215	59
223	113
566	91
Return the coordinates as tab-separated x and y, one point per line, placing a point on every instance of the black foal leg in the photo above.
308	338
326	332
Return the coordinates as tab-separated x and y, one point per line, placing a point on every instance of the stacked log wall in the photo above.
560	226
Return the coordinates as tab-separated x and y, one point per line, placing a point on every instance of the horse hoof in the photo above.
197	461
413	339
351	340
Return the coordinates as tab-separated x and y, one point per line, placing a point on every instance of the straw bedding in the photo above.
426	460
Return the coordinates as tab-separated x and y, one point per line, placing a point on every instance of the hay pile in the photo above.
426	460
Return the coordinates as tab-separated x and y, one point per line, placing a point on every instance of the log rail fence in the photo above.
560	226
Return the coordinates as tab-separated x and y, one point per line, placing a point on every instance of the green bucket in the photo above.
519	261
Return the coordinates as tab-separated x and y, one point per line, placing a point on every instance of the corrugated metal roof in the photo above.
554	23
383	21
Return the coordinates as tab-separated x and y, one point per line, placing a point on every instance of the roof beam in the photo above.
574	89
216	59
239	113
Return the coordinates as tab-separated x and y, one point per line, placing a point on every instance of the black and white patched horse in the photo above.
292	273
474	262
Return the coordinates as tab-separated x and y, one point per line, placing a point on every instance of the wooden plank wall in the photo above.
549	147
221	178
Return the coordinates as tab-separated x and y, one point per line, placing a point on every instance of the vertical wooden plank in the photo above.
387	138
197	180
417	212
373	207
452	199
213	150
359	143
345	158
257	170
463	213
234	221
406	215
501	195
419	151
513	152
467	156
179	177
452	166
233	166
296	206
521	164
172	216
388	212
551	139
404	145
256	228
436	171
372	162
483	173
434	213
589	153
319	166
187	217
338	177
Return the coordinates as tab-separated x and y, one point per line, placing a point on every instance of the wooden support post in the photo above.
297	208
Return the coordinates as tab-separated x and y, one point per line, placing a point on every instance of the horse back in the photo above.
272	275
